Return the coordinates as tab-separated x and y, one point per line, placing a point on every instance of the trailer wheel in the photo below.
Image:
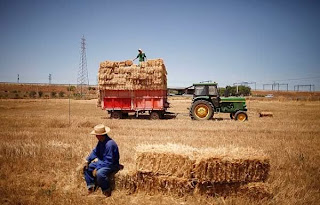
241	116
154	115
116	115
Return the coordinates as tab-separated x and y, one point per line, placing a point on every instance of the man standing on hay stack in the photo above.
102	162
141	56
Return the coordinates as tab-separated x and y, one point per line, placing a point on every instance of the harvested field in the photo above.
40	150
286	95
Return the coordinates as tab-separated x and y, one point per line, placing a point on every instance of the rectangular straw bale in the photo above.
126	180
256	190
265	114
109	64
122	63
126	76
217	189
152	184
103	65
166	160
128	62
231	164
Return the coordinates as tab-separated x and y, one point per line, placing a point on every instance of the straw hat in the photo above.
100	130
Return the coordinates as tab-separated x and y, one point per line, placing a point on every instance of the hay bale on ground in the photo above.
182	170
217	189
265	114
132	182
153	184
125	180
257	191
227	164
168	160
231	164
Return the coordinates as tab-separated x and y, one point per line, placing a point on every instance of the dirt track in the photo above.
40	151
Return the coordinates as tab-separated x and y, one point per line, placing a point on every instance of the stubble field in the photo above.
40	150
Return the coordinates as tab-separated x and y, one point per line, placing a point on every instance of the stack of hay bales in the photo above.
124	75
183	170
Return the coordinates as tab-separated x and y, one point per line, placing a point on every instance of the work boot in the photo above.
92	189
107	192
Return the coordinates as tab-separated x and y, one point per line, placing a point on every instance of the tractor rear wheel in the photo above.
201	110
116	115
241	116
154	115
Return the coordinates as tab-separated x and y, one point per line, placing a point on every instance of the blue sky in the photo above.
226	41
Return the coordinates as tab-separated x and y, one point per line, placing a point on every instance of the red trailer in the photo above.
121	102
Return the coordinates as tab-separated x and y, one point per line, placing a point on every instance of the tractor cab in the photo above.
206	89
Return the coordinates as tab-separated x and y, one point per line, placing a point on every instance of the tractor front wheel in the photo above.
201	110
241	116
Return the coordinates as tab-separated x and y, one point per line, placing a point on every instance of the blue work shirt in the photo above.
107	153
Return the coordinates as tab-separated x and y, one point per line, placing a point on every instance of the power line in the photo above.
298	78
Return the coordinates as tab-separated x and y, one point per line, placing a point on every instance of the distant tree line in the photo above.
232	91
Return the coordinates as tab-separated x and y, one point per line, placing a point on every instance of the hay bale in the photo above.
109	64
153	184
132	182
265	114
217	189
128	62
168	160
224	164
231	164
126	76
126	180
257	191
182	170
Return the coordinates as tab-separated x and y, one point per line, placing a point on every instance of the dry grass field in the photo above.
40	150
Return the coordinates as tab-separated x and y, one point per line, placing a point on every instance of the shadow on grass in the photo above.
142	117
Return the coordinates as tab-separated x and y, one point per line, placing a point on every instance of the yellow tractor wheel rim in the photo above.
202	111
242	117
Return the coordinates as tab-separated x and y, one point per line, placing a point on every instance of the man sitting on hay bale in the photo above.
102	162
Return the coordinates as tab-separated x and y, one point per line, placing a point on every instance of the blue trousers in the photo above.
102	178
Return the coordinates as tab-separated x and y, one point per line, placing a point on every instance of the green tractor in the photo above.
206	101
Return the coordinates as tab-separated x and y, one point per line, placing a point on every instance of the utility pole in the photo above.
18	80
50	78
83	78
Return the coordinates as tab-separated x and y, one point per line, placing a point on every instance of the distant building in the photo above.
181	90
